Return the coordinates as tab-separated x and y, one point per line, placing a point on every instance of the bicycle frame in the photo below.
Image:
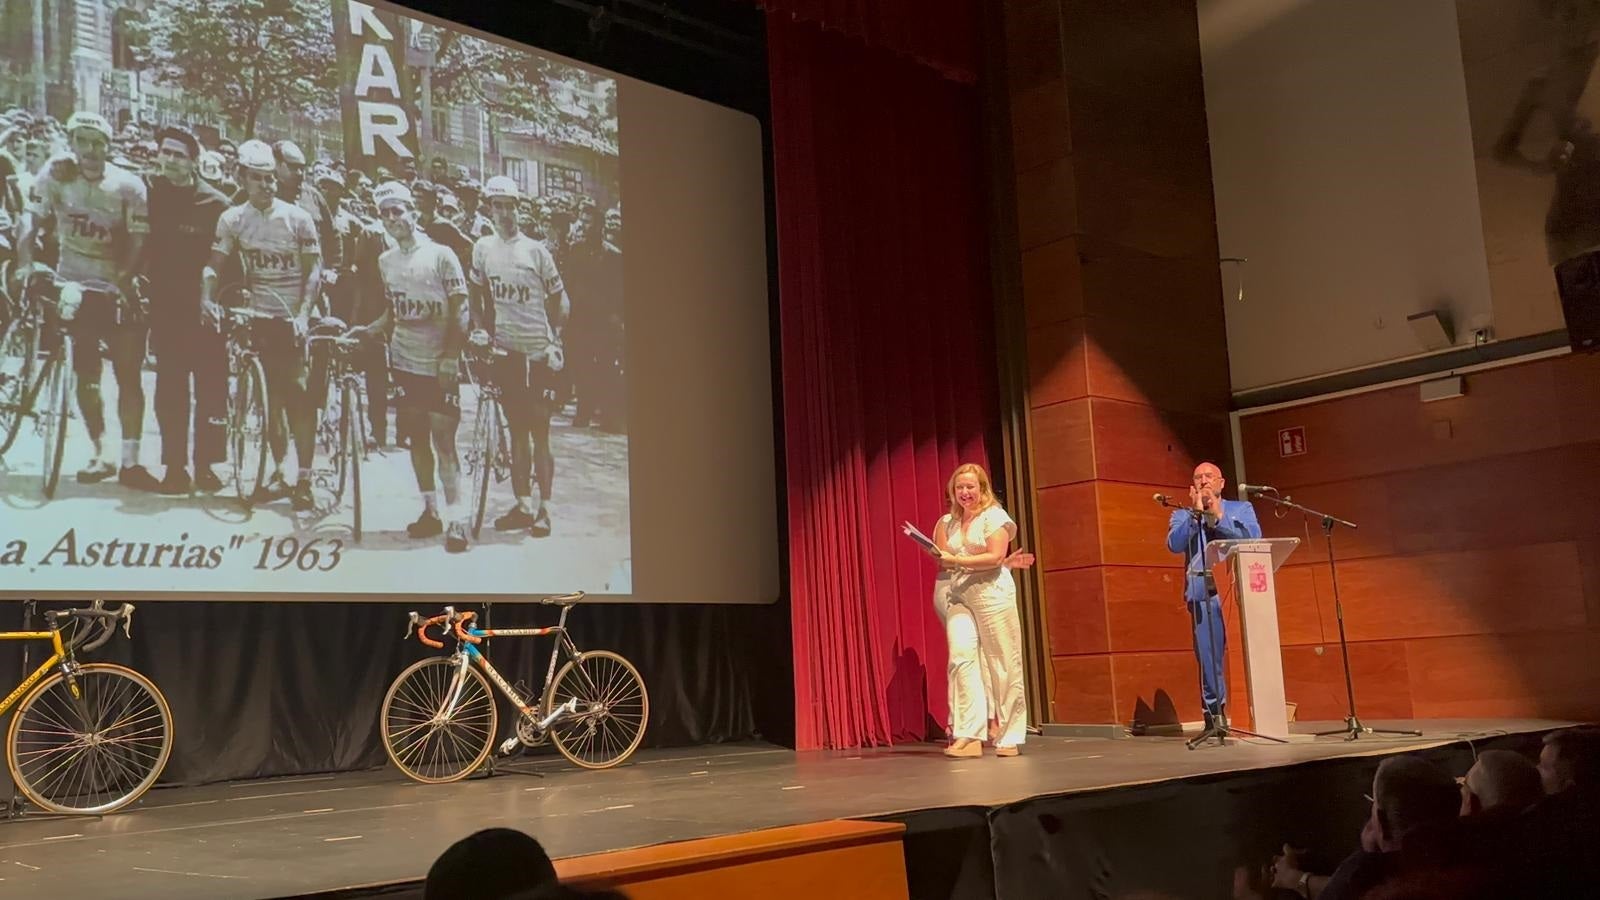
59	653
470	653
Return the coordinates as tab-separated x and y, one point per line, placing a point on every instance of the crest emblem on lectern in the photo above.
1258	578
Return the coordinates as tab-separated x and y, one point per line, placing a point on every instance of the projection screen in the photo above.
330	300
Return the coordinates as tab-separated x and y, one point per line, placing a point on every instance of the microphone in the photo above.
1247	489
1162	499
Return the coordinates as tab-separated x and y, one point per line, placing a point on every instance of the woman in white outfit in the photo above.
976	597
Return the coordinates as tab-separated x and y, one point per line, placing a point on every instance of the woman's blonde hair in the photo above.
985	490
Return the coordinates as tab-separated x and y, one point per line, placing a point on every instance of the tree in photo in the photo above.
563	102
246	56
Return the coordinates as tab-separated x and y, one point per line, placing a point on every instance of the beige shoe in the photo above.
965	748
1005	751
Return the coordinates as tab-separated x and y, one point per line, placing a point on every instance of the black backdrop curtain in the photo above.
260	689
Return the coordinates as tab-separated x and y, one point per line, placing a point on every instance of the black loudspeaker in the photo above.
1578	281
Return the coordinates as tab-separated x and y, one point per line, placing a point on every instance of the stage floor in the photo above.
281	837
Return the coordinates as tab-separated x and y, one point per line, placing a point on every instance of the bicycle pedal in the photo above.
510	745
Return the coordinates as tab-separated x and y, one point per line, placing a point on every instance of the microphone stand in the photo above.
1353	727
1217	725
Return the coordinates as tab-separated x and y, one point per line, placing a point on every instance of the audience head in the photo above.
1500	779
1407	793
1570	758
493	864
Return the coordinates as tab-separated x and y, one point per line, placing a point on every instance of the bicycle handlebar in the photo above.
422	625
106	620
466	619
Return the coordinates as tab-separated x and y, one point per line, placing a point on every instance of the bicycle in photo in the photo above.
487	454
341	429
245	420
36	378
439	718
86	738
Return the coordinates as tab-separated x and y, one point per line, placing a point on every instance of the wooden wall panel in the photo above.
1472	587
1551	675
1057	364
1512	410
1075	601
1469	505
1138	443
1117	284
1133	529
1122	301
1166	683
1047	203
1039	131
1578	396
1316	681
1052	283
1145	213
1068	531
1033	48
1144	609
1065	428
1144	359
1083	690
1518	588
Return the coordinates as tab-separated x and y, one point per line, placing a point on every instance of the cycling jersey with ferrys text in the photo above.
419	284
520	276
270	244
93	221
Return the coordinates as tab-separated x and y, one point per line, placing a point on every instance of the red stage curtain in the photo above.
942	34
888	367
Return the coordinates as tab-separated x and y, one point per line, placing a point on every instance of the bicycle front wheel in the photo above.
485	441
19	350
93	753
247	427
434	733
609	709
53	413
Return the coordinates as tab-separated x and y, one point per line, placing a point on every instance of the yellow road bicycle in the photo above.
86	738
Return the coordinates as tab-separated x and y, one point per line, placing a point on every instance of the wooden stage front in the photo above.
379	831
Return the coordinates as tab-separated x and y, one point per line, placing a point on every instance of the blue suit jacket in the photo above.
1238	522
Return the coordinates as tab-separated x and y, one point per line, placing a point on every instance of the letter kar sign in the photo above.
375	91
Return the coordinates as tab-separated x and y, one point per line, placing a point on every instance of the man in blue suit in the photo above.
1223	520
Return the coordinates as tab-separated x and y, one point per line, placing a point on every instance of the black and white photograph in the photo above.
306	297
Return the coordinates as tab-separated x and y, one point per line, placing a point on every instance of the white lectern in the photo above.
1254	563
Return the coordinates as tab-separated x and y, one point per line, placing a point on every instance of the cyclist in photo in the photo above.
100	215
276	242
426	322
521	305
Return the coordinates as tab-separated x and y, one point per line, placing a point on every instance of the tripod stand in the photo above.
1217	725
1353	727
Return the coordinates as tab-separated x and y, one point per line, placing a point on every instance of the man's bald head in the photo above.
1207	468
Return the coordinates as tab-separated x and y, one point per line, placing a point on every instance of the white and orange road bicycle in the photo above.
439	718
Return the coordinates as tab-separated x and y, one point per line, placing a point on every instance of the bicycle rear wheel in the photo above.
355	444
94	753
425	741
247	427
610	709
51	408
19	351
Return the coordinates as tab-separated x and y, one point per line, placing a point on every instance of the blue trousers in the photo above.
1211	643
